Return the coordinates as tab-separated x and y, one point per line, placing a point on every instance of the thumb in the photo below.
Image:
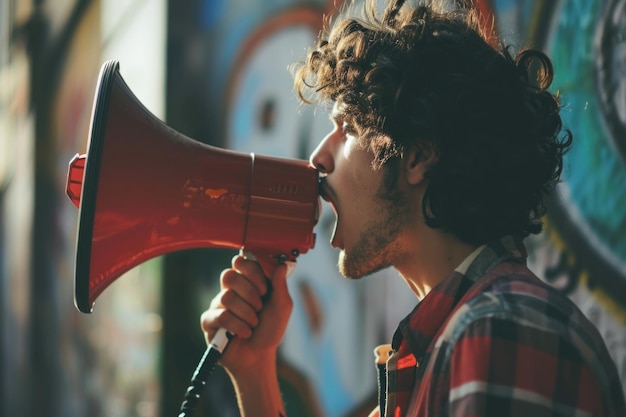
279	278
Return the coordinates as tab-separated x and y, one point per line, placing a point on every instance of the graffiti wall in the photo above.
583	251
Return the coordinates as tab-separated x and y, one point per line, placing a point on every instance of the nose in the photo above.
322	157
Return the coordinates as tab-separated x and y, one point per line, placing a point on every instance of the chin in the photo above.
346	268
356	268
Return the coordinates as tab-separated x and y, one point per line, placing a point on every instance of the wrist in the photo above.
261	368
257	389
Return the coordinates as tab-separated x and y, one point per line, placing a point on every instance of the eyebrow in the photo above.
337	113
337	116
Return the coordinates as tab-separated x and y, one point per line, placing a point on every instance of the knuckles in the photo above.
228	277
228	298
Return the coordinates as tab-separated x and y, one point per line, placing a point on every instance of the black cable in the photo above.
205	367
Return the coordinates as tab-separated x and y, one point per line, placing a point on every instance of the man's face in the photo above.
367	226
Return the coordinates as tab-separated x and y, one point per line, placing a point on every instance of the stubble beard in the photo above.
377	247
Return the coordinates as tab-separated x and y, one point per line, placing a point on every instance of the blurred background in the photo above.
216	71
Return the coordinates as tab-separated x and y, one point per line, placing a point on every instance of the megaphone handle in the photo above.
205	367
209	360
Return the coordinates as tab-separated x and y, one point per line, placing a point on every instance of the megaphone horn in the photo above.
143	190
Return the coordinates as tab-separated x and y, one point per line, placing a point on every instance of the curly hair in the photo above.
426	76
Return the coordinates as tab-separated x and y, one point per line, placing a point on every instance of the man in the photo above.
442	150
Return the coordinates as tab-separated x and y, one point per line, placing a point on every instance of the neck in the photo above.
435	255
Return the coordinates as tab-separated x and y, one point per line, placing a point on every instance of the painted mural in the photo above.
336	323
583	250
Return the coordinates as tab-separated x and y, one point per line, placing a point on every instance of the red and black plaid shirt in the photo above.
493	340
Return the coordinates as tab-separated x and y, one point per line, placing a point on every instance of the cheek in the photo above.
358	181
361	198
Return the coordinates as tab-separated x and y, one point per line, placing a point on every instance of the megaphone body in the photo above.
144	190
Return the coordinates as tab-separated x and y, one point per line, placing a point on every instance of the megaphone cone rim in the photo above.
90	185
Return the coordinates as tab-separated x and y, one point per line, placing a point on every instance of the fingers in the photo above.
237	288
216	318
252	271
237	305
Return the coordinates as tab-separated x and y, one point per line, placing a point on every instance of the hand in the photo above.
259	327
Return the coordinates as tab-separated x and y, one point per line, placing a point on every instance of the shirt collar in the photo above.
422	324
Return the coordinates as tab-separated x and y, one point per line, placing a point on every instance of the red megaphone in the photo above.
144	190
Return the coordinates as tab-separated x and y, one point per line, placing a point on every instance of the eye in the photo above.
348	129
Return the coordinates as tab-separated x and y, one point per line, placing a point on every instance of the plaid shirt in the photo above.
491	339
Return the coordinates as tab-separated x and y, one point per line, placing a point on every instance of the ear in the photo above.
417	161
